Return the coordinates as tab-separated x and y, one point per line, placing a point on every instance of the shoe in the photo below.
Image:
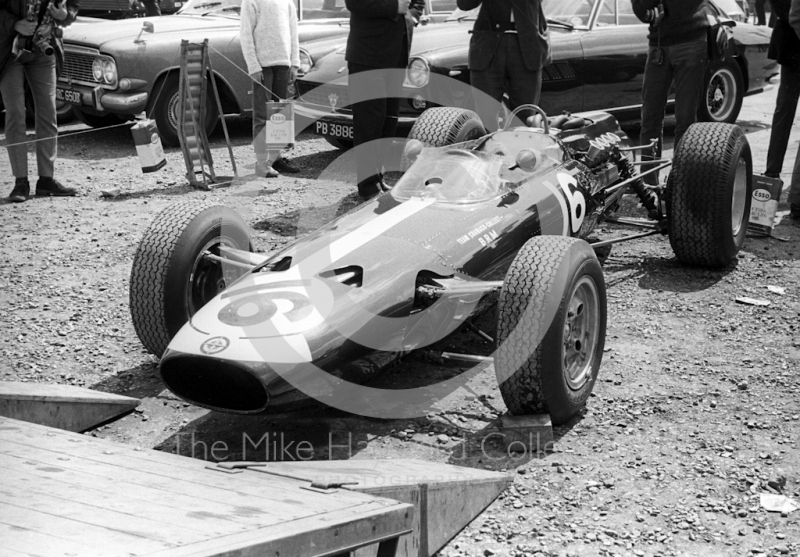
51	186
284	167
384	186
21	191
794	211
265	170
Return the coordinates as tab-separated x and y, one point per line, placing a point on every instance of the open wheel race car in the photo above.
477	221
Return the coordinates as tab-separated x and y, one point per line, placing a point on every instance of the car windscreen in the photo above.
452	176
216	7
574	12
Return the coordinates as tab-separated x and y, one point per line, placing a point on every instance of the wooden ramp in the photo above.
69	494
446	498
61	406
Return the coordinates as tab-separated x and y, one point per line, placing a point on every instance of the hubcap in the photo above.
581	333
172	111
739	198
721	94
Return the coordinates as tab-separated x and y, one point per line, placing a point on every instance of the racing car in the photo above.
479	220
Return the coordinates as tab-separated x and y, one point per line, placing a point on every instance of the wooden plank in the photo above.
147	494
244	500
18	540
62	486
355	527
61	528
62	406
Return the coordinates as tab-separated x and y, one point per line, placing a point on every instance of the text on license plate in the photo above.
73	97
333	129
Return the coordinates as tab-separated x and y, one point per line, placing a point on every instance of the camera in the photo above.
42	43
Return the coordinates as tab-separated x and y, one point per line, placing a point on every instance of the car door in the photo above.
615	52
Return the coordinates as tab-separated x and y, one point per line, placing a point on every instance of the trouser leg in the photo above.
488	95
782	120
260	97
524	85
655	90
689	62
368	94
12	89
41	75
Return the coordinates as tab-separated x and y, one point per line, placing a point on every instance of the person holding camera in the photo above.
31	50
678	53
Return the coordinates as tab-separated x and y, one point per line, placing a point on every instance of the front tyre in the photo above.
723	92
96	121
709	193
437	127
551	328
172	276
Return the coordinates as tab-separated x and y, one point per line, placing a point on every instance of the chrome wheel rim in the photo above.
172	110
739	198
721	94
581	333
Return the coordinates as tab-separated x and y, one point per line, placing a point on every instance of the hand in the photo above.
25	27
402	6
45	30
59	12
293	72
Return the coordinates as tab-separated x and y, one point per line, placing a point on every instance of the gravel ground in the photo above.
696	413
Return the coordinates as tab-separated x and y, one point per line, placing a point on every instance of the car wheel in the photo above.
165	110
64	113
437	127
708	194
723	93
171	277
551	328
96	120
343	144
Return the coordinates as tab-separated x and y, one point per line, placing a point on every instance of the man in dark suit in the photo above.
784	47
377	55
507	52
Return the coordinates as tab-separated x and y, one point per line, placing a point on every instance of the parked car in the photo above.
599	51
118	69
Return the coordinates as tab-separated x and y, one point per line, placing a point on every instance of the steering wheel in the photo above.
522	107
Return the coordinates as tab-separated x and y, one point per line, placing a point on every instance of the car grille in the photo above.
321	94
558	71
78	67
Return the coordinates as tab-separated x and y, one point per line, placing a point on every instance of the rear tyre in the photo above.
170	278
709	193
437	127
551	328
723	93
64	113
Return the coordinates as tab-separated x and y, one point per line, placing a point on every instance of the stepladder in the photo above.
195	110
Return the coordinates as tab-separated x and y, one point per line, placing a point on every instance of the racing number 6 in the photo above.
575	200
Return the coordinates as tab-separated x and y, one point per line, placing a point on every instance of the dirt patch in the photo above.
696	412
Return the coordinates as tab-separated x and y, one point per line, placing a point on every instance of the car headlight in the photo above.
305	62
104	70
418	72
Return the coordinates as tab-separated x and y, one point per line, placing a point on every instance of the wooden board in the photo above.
70	494
445	497
61	406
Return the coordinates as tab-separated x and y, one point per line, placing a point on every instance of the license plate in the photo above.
336	129
68	95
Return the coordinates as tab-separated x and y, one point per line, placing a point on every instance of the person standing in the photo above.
268	35
31	50
377	54
678	53
785	48
507	52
